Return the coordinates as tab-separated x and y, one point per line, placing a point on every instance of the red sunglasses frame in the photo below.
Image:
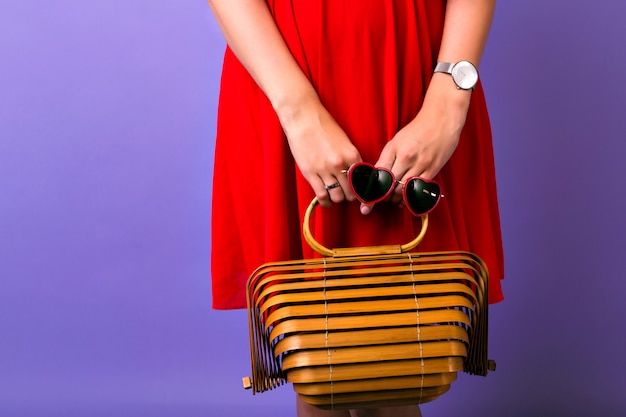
392	187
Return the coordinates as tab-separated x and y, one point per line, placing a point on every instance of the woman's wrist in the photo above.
442	86
295	108
444	97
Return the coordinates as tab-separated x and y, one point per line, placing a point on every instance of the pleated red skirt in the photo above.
370	61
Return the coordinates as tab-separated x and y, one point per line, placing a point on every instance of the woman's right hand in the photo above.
319	146
321	149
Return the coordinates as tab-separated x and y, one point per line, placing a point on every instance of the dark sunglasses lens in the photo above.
370	184
422	196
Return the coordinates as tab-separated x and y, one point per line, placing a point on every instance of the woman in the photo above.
311	87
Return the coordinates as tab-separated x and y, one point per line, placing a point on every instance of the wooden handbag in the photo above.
368	326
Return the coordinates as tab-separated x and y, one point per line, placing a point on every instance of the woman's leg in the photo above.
401	411
306	410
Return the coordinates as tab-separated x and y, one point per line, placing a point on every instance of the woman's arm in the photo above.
252	35
425	145
466	28
319	146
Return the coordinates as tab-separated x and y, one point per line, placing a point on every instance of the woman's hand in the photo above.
320	148
424	145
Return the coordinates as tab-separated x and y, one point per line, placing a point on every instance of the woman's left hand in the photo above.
424	145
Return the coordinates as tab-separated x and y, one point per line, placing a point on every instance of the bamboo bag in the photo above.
368	326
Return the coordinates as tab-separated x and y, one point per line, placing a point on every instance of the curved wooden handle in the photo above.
324	251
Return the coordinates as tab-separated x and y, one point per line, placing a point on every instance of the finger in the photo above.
396	196
366	208
345	186
321	193
387	157
389	160
334	189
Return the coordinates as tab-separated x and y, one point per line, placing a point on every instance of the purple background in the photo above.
107	118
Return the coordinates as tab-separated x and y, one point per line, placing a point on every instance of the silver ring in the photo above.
344	171
331	186
400	182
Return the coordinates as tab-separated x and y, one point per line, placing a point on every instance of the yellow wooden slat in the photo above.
376	384
368	354
385	320
352	372
366	307
370	337
377	398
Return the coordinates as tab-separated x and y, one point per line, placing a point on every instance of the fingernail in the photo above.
365	210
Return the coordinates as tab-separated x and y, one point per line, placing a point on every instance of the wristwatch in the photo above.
464	73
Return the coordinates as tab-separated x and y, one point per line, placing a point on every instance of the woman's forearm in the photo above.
425	145
320	147
252	35
466	28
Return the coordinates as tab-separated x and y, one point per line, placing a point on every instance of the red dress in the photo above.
370	62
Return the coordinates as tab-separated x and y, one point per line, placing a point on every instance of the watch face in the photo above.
465	75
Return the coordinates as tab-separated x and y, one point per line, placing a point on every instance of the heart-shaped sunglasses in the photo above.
371	185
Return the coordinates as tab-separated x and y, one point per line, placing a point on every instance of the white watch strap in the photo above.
444	67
